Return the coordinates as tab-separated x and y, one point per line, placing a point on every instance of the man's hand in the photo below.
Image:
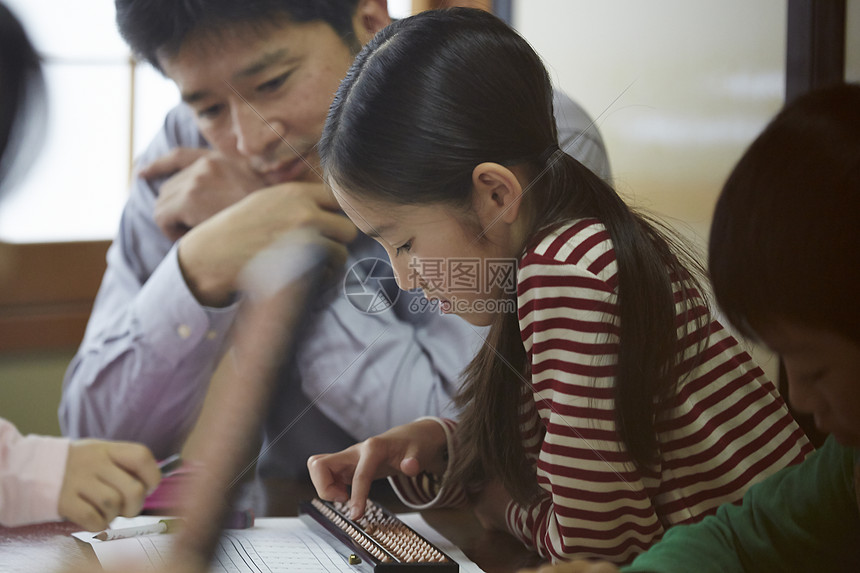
213	253
201	183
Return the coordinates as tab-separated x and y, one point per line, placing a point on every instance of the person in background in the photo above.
785	264
607	404
44	478
234	167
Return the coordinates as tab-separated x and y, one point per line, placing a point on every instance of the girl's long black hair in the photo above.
428	99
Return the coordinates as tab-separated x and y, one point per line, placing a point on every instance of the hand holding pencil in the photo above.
105	479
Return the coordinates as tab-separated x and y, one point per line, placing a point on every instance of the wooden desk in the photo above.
45	547
49	547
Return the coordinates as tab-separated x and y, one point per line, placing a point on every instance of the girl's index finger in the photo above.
365	472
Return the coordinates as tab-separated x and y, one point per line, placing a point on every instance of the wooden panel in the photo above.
52	272
47	293
42	327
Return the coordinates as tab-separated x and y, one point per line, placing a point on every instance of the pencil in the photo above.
162	526
169	464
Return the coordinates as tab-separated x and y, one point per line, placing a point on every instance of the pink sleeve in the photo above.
31	474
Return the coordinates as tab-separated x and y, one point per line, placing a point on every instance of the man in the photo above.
233	168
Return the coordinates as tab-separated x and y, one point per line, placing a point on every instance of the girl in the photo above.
608	405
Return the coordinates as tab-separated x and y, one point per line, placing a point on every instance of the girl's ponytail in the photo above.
649	258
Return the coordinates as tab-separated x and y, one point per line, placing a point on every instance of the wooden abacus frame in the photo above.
369	550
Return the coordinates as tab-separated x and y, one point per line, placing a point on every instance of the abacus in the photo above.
379	541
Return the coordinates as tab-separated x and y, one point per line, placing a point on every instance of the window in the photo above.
102	110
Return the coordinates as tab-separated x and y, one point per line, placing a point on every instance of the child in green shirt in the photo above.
785	264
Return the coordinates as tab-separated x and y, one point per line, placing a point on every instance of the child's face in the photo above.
823	370
433	249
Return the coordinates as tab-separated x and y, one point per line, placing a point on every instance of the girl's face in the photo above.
823	369
441	251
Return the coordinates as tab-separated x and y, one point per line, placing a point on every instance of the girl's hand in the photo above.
105	479
408	449
580	566
490	506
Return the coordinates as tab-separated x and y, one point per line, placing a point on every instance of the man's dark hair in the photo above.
156	28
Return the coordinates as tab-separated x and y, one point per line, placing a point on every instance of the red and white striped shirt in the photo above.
725	429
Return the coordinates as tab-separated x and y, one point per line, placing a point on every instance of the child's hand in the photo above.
580	566
105	479
408	449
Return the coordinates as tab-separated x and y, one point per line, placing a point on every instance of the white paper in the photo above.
119	523
276	544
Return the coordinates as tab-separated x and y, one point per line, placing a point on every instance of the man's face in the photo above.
261	93
823	370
